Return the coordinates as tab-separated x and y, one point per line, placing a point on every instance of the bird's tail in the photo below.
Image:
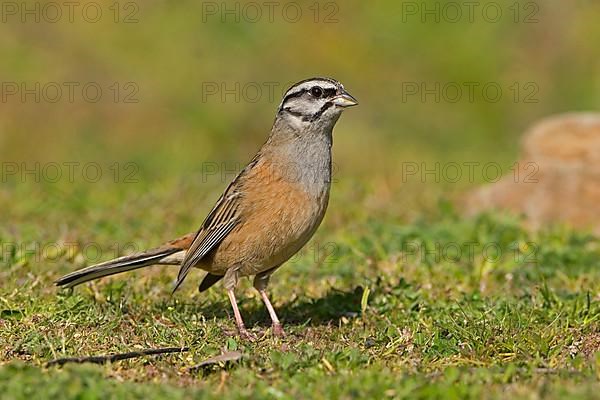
171	254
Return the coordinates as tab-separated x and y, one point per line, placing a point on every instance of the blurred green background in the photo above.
165	54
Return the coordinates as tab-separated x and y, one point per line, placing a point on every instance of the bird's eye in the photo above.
316	92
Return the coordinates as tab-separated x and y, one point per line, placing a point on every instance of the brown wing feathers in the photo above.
221	220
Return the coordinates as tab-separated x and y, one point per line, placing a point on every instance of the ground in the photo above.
373	307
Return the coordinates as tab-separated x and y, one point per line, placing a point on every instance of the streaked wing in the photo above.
217	225
221	220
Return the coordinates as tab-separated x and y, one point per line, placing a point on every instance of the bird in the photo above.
266	214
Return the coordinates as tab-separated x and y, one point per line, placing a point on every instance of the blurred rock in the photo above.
558	175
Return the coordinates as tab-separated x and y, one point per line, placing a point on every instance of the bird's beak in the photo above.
344	100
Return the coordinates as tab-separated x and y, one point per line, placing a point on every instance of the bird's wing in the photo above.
219	222
224	216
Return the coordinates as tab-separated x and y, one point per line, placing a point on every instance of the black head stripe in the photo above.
315	81
330	92
318	79
294	94
330	89
294	113
318	114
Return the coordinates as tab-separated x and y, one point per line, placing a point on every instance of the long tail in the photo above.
171	253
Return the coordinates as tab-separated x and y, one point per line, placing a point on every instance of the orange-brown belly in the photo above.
278	218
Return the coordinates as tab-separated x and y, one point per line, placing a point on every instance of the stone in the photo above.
558	179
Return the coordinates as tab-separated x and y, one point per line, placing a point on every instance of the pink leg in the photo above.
238	317
277	328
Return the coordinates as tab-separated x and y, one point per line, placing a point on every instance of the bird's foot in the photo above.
278	330
246	334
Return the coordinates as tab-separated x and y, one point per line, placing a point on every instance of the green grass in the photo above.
377	309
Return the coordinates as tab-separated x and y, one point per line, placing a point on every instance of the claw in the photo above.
278	330
247	335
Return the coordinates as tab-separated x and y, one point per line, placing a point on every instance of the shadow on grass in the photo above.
325	310
301	311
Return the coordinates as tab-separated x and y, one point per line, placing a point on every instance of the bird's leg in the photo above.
260	283
238	317
276	325
230	281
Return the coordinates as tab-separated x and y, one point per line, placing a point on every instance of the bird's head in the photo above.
315	103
